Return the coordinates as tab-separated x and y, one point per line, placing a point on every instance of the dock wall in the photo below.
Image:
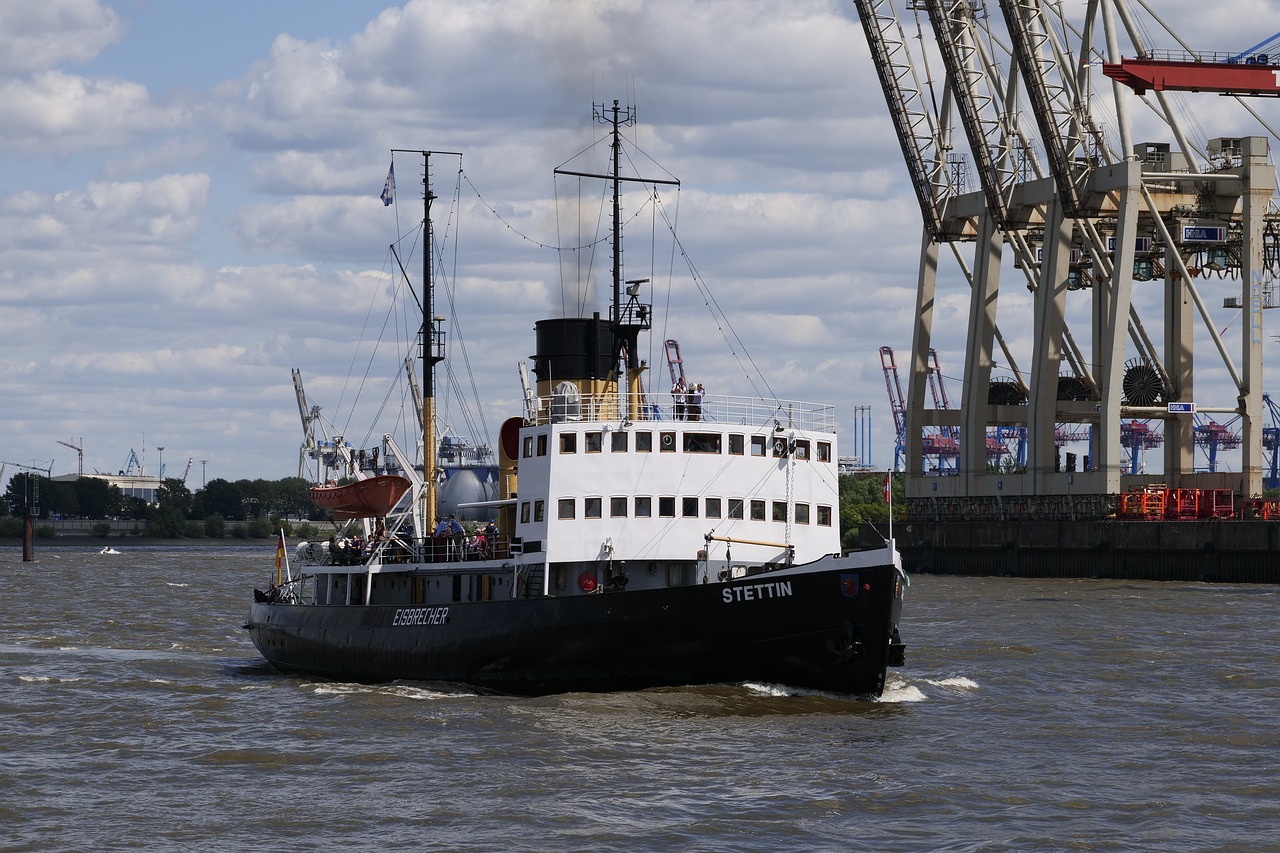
1221	551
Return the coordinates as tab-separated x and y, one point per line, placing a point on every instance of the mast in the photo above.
432	341
626	321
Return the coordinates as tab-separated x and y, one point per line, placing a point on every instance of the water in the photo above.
1032	715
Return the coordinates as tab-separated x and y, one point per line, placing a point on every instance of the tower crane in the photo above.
1080	206
186	473
79	452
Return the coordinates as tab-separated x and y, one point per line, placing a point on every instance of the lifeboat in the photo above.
370	498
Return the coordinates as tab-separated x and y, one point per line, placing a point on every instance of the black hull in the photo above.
832	630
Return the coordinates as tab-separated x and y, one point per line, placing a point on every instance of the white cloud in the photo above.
47	33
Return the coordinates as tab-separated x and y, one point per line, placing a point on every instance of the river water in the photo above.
1031	715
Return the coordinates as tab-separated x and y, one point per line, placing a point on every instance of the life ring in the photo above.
780	447
587	581
668	440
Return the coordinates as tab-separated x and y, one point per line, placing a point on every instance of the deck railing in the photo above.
719	409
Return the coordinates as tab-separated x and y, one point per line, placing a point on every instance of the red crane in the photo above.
1249	73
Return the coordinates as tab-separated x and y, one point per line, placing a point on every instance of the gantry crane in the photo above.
1082	207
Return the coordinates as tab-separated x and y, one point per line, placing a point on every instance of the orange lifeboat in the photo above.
370	498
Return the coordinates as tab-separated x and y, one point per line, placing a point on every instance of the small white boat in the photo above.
107	549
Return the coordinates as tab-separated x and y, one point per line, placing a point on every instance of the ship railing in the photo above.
720	409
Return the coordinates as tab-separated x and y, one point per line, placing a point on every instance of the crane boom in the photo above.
1195	73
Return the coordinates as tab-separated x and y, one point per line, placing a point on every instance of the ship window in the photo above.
702	442
668	442
568	442
689	507
735	508
528	447
802	513
780	446
524	512
757	445
538	513
644	442
591	507
594	442
779	510
542	444
757	510
824	516
618	442
824	451
736	443
568	507
713	508
667	507
618	507
644	507
800	449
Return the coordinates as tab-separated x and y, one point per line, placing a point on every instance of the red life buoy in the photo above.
587	580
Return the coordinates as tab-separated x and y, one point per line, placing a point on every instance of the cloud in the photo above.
39	35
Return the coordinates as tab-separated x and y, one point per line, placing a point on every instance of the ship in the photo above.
633	544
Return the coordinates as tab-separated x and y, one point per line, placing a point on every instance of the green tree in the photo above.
174	493
96	497
222	498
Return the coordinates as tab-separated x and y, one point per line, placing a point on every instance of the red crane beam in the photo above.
1228	78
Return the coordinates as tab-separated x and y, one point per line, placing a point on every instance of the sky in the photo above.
189	209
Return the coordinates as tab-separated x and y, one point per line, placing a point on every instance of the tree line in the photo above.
178	512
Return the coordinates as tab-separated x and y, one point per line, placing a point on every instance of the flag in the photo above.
389	188
888	491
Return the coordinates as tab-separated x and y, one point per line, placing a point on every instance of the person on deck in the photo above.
695	402
679	396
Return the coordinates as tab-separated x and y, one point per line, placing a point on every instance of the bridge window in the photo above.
524	512
779	510
568	508
644	442
802	513
689	507
757	510
736	443
591	507
735	508
702	442
538	507
800	449
618	507
618	441
758	445
666	507
644	507
594	442
527	449
542	444
568	442
824	516
713	508
824	451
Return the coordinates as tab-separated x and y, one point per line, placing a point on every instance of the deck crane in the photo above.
79	452
132	462
1083	222
1251	72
